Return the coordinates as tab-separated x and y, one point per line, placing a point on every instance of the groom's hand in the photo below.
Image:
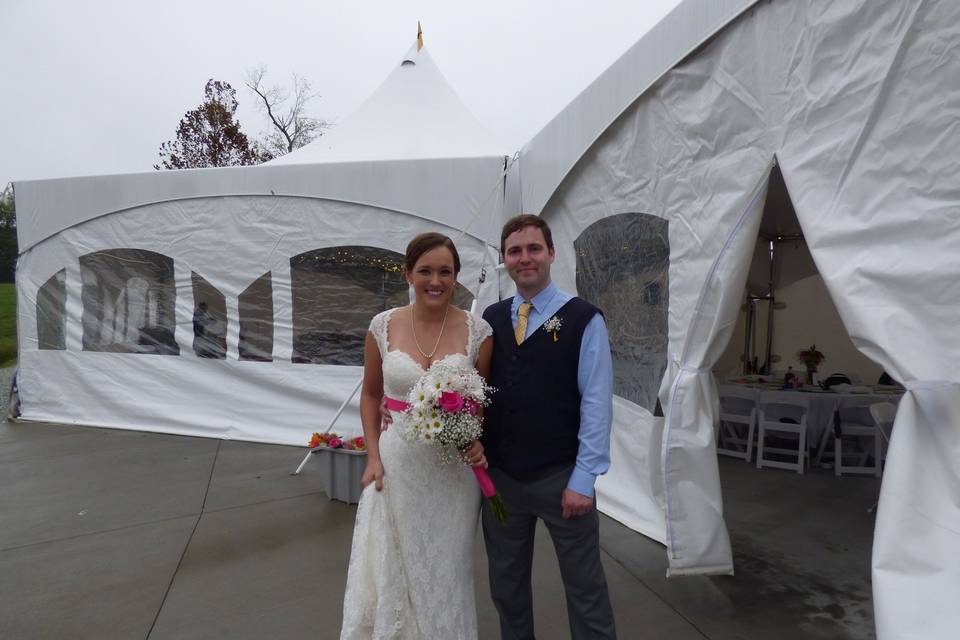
575	504
386	418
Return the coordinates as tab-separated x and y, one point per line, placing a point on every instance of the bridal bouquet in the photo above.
443	408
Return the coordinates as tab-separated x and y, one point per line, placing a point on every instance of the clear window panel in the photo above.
209	319
52	312
336	291
129	300
256	320
623	263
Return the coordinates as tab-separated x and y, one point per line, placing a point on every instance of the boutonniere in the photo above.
553	326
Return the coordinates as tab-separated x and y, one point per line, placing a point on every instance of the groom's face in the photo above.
528	260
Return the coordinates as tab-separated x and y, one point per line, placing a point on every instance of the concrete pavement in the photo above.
120	534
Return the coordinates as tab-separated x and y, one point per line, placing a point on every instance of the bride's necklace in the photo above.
413	325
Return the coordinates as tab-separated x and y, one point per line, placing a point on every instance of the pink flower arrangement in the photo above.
810	357
333	440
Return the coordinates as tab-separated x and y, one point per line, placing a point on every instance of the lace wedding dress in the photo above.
411	564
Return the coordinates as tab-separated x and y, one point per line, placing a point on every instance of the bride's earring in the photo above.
411	292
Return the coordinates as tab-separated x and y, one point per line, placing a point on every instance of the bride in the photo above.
411	563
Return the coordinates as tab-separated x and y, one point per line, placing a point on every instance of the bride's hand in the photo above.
474	456
372	473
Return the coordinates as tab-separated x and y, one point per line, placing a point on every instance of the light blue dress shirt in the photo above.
595	381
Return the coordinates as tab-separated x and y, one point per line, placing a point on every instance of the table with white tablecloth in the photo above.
822	404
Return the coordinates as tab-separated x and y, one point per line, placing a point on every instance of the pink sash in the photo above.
396	405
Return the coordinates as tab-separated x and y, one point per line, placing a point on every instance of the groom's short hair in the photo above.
516	223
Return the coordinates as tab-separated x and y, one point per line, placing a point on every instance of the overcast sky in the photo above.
95	87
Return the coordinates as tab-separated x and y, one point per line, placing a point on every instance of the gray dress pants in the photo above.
510	553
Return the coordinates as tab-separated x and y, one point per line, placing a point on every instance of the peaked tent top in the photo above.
414	114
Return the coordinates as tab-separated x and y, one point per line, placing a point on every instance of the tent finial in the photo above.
419	36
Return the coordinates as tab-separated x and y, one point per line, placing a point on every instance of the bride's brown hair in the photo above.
427	242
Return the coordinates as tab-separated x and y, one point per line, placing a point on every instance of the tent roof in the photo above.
413	114
552	153
393	153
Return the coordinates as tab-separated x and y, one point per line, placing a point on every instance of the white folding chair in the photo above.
738	421
857	428
784	416
824	446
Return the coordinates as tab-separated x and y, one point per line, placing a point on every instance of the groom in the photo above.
547	436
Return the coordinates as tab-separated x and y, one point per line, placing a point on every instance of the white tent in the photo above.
233	302
654	180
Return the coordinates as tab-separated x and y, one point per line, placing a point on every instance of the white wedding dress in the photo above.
411	563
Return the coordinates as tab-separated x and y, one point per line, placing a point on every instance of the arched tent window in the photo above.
51	312
128	302
336	290
256	320
209	319
623	262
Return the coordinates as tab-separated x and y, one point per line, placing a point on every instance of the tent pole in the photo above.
771	305
747	337
332	422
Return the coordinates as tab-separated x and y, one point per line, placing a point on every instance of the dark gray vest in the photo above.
532	426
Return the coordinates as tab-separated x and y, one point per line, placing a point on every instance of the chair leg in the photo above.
837	456
750	441
802	451
822	445
760	447
877	453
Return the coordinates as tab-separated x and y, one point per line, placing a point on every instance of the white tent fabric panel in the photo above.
565	139
450	193
676	156
229	242
634	462
866	138
876	183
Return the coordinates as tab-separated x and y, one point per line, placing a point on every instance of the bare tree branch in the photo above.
286	111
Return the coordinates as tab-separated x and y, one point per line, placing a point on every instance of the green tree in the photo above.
8	235
209	136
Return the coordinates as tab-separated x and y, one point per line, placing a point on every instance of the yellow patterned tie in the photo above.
522	314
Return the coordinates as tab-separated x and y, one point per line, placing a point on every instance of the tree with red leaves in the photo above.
208	136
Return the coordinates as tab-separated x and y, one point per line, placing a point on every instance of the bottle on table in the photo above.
790	379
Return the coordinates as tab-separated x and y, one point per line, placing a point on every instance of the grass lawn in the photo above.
8	324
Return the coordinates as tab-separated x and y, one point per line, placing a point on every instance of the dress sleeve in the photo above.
378	327
480	330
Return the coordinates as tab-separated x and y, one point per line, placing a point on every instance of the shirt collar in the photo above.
539	301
